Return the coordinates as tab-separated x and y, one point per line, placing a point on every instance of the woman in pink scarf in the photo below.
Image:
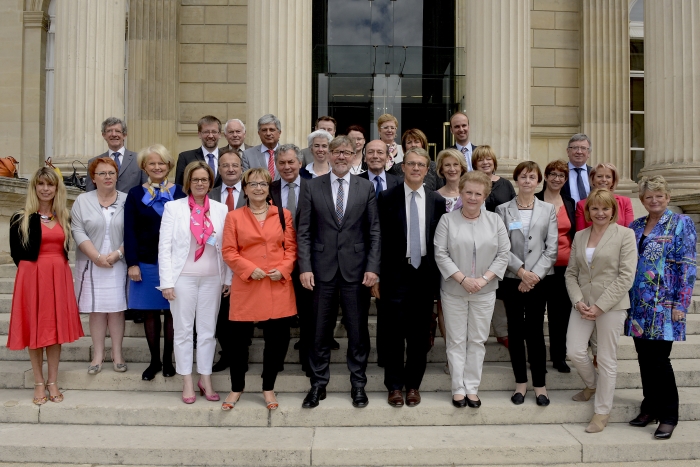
193	275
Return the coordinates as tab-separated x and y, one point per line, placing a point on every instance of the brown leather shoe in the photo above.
413	398
396	398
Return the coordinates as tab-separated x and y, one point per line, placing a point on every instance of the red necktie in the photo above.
271	163
229	198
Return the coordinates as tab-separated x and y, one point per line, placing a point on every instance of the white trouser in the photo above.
467	324
499	319
609	327
196	297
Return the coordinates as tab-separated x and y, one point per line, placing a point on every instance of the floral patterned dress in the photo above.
665	277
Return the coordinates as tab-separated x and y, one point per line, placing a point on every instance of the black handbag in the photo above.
75	179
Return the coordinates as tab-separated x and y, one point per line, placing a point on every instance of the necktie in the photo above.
211	163
414	230
377	186
116	159
339	201
579	183
271	163
467	159
229	199
292	202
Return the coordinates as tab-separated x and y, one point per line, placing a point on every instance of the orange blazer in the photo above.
625	214
247	246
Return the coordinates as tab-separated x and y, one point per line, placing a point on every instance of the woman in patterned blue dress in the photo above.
660	297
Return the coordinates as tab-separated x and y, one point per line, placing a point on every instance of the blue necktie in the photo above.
579	183
116	159
377	186
211	163
414	230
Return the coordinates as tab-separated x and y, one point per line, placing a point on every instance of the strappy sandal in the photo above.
59	397
272	405
40	400
226	405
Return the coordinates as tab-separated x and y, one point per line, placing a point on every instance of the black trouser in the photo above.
223	327
276	337
304	301
525	313
658	381
558	312
407	316
354	300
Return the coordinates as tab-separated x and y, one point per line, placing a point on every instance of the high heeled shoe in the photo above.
664	431
598	423
584	395
272	405
226	405
643	420
189	400
202	392
59	397
40	400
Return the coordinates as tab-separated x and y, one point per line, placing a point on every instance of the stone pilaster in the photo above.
279	67
89	87
152	84
497	98
672	92
605	84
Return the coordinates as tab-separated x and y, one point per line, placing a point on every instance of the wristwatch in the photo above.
121	255
485	278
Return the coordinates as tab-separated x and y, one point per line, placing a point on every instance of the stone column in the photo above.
90	48
279	67
605	84
152	84
497	98
672	92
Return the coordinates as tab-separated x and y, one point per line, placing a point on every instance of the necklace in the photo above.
461	210
116	198
261	212
526	206
46	219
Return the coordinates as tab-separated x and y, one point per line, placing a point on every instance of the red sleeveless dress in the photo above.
44	310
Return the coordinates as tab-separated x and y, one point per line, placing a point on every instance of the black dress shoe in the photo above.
561	366
168	370
150	372
518	398
297	344
221	365
473	404
138	316
642	420
313	397
359	397
664	431
542	400
460	404
335	345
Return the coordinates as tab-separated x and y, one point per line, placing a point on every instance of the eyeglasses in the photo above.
210	133
343	153
388	128
258	184
231	166
413	164
104	174
197	181
556	175
579	148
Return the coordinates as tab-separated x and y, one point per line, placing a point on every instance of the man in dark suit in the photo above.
322	123
209	131
339	250
263	155
234	132
130	174
408	216
578	186
459	127
285	192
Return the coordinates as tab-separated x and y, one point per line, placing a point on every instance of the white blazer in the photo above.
174	243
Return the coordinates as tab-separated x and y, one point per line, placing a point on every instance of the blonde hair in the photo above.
58	206
482	153
611	168
156	149
450	152
386	118
654	183
604	198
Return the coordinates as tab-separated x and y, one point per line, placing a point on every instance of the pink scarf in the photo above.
200	224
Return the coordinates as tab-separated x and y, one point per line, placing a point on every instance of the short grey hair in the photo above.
111	121
290	147
319	134
581	137
269	118
237	121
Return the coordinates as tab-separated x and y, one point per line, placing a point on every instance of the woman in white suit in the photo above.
471	251
532	228
192	274
600	274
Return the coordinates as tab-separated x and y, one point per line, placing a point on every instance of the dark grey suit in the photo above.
566	189
391	180
215	194
184	158
469	162
254	157
339	255
130	175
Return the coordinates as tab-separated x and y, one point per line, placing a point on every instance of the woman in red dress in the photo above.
44	311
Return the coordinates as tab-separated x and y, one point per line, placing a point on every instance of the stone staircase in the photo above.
114	418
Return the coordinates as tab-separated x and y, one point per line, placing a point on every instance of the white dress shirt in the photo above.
236	193
215	151
310	169
467	155
121	155
285	191
420	201
573	181
265	150
382	176
346	189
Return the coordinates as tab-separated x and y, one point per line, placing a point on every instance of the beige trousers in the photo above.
608	326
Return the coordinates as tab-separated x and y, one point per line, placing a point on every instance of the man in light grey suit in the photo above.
338	255
263	155
322	123
130	174
234	132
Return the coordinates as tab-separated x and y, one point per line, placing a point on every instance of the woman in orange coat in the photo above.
260	247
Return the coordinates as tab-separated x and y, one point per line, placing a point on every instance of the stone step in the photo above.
667	463
497	376
166	409
342	446
6	285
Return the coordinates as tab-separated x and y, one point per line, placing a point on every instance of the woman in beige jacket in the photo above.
599	276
